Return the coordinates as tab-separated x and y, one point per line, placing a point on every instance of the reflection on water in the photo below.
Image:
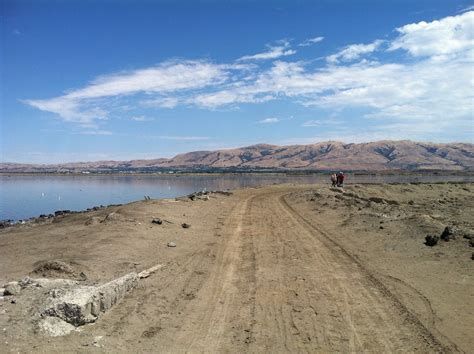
22	197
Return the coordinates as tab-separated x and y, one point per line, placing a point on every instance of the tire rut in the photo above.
408	318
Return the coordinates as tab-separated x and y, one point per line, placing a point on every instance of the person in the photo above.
334	179
340	179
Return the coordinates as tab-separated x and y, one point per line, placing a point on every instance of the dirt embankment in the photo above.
277	269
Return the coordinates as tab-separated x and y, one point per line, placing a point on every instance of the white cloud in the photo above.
96	132
69	110
354	51
166	77
450	35
162	102
432	88
321	122
469	8
141	119
269	120
77	106
274	52
434	84
310	41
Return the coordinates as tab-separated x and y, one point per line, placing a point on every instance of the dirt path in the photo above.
278	285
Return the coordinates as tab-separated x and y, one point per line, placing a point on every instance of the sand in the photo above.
287	268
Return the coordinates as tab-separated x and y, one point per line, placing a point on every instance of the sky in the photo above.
120	80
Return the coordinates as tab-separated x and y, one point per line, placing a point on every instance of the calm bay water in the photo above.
22	197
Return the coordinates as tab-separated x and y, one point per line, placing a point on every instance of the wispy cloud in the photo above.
269	120
321	122
141	119
273	52
96	132
78	106
161	102
310	41
354	51
469	8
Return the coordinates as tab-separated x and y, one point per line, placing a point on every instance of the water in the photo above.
22	197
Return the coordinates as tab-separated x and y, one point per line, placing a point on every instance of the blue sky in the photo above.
99	80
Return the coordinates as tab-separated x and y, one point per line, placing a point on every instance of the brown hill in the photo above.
331	155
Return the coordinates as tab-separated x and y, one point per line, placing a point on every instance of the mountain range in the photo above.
330	155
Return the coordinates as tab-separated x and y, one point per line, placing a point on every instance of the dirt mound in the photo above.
57	269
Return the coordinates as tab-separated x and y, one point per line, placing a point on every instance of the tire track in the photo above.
428	337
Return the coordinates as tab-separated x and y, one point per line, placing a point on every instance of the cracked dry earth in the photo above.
257	271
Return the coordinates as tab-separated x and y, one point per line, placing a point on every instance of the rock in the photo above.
471	242
469	236
431	240
377	200
171	244
185	226
411	202
94	220
6	223
2	291
448	234
157	221
205	195
55	327
12	288
61	212
96	341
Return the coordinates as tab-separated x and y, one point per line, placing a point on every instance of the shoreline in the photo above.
38	219
292	173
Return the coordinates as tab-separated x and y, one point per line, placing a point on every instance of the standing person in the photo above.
340	179
334	179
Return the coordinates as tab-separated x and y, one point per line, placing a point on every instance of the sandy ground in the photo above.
276	269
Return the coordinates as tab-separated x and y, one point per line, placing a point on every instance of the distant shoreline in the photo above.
240	173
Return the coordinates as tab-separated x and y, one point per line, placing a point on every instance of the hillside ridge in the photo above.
329	155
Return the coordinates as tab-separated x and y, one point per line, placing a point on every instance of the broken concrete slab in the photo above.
55	327
84	304
46	283
146	273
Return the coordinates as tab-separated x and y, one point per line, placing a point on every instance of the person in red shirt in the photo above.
340	179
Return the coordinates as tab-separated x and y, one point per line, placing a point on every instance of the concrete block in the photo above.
84	304
147	272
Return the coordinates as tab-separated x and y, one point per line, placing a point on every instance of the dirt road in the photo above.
267	280
279	285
